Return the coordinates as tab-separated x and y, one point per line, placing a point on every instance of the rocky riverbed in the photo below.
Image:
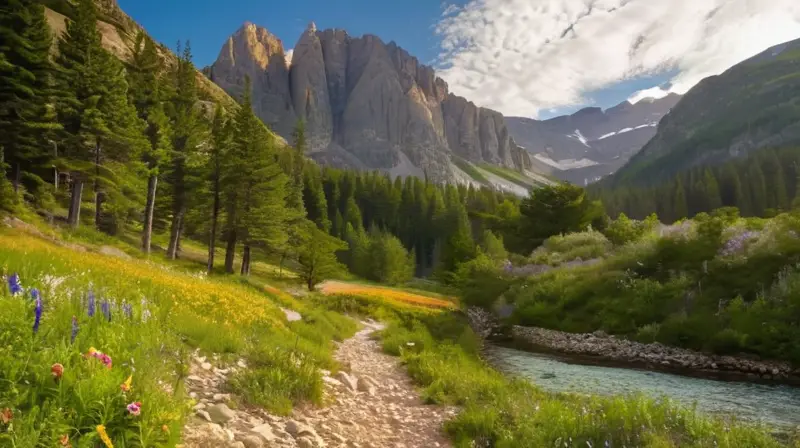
372	404
601	348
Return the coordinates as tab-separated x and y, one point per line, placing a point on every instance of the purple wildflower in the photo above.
74	330
127	310
35	294
736	244
14	286
105	307
92	306
38	310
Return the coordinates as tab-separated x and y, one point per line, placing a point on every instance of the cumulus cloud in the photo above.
523	56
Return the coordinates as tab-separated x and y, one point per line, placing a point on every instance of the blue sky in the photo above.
207	23
534	58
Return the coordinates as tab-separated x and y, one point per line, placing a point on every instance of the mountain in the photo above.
591	143
368	105
119	32
754	104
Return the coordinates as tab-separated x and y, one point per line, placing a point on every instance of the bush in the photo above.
560	249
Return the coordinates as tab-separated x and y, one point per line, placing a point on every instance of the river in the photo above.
774	405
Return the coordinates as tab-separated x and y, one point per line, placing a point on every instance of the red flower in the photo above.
64	440
57	370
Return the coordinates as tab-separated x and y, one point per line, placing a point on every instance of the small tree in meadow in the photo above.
317	257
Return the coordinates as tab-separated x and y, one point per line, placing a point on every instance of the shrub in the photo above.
560	249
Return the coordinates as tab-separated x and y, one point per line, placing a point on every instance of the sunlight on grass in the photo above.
388	295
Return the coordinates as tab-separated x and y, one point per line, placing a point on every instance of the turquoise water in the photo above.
774	405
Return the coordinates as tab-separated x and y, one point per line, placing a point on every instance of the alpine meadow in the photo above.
326	246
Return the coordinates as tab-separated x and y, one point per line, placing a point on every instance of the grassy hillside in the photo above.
754	104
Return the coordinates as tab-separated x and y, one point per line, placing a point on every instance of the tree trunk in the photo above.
17	177
246	260
74	217
98	197
230	252
175	234
212	241
147	232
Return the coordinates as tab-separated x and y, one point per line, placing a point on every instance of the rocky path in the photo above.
374	405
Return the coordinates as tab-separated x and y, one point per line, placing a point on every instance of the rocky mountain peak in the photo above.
255	52
366	104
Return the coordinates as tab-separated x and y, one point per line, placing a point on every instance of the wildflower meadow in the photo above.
94	349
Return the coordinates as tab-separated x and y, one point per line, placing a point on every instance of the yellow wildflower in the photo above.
104	436
126	386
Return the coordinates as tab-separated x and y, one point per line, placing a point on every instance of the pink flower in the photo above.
106	360
135	408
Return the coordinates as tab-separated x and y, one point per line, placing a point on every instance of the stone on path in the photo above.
264	432
220	413
349	381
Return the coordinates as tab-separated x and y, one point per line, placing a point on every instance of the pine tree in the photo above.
256	184
147	96
314	200
220	145
26	86
99	122
187	134
679	209
317	259
711	187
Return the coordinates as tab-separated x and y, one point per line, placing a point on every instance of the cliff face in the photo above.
366	104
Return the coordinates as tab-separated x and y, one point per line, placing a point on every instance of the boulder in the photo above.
221	413
365	384
351	382
264	433
253	441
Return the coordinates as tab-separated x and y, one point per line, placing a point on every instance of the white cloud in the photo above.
523	56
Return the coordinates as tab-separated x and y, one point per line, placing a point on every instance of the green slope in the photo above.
753	105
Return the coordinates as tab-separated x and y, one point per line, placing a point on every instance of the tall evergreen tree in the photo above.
187	135
26	86
99	122
256	184
148	96
220	145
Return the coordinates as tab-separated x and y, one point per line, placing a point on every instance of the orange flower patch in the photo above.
387	294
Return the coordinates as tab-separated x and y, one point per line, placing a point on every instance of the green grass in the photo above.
441	354
510	175
174	312
470	169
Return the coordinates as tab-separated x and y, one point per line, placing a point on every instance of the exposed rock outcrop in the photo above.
366	104
254	52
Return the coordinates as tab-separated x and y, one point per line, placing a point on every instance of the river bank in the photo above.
599	348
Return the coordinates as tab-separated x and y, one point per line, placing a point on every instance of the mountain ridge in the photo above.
752	105
366	104
592	142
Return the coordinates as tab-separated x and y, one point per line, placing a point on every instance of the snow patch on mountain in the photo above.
610	134
579	136
566	164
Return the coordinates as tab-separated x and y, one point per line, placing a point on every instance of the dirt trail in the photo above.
374	405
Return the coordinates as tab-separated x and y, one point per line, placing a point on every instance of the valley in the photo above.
323	245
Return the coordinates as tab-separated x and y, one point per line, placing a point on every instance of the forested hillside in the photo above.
751	106
134	149
761	184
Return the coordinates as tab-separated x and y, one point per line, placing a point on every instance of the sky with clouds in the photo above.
534	58
539	57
